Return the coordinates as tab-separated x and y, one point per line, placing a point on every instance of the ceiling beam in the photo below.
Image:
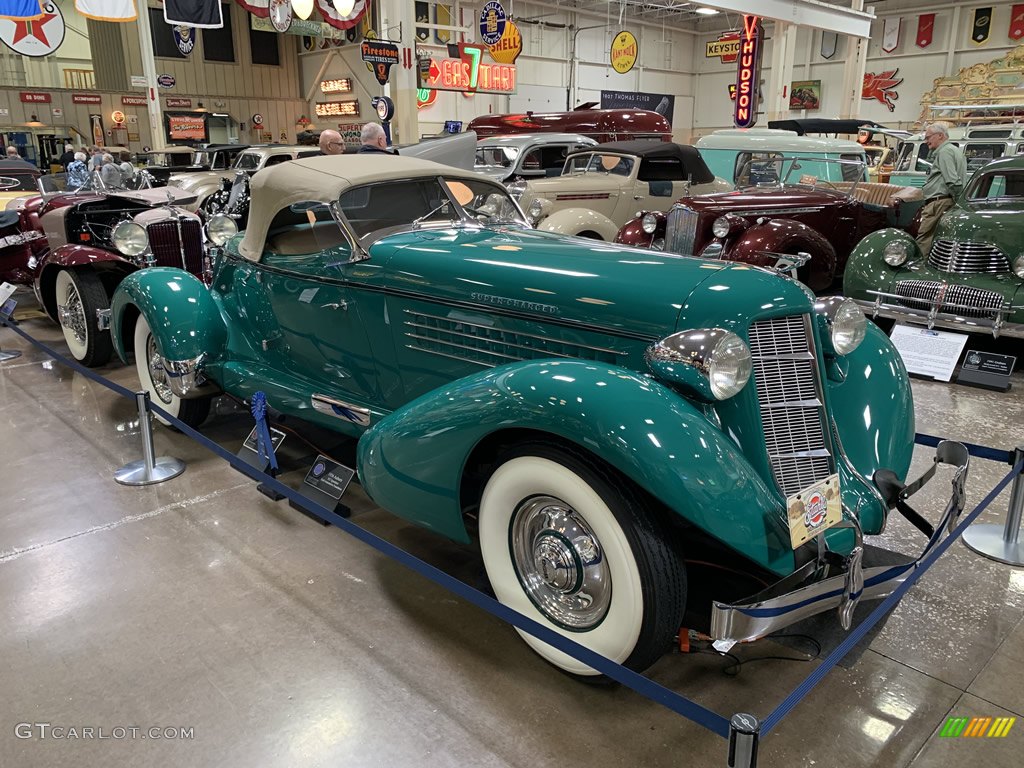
805	13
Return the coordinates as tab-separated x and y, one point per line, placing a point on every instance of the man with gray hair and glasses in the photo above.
945	181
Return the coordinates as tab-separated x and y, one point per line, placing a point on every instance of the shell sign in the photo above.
623	52
508	48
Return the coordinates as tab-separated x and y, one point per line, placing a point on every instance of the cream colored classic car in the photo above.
602	188
203	184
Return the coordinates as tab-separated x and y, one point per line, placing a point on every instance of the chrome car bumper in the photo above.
185	377
996	324
811	589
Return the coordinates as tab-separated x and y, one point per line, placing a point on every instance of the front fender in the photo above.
573	221
632	232
111	268
413	461
184	318
786	236
866	269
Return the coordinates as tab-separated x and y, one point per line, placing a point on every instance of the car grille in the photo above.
681	230
962	300
171	250
967	258
789	394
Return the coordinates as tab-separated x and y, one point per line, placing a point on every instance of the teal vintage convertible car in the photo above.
606	420
972	279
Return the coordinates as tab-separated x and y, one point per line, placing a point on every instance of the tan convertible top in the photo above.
322	180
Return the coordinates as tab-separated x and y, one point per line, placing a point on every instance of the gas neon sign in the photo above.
748	72
468	73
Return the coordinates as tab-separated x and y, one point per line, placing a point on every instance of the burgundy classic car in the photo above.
601	125
82	243
817	221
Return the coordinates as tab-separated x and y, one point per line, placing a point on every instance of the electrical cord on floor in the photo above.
733	668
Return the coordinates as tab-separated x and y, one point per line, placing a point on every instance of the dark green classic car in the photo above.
605	420
972	278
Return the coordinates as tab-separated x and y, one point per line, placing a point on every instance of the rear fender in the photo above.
413	461
573	221
790	237
179	309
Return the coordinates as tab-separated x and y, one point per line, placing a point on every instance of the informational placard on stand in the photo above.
928	353
325	484
250	452
986	370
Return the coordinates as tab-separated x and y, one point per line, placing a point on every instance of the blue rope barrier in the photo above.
981	451
797	694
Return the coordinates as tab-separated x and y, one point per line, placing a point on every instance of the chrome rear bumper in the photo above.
813	589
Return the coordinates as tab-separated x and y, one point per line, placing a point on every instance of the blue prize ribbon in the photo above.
264	445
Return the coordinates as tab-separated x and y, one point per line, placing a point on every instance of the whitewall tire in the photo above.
80	294
575	549
153	378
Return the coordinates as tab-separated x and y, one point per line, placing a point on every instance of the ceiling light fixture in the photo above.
302	8
344	7
706	11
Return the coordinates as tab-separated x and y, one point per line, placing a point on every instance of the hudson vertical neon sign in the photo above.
748	72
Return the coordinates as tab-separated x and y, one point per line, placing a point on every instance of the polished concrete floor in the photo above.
200	604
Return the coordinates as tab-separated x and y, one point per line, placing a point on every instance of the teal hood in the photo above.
639	293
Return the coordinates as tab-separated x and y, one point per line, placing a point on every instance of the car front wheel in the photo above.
150	366
80	295
578	551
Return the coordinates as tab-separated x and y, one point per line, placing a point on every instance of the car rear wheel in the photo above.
80	295
581	553
149	364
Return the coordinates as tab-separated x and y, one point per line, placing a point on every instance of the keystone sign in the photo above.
726	47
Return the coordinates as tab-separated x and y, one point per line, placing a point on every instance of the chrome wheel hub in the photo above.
157	373
559	563
72	315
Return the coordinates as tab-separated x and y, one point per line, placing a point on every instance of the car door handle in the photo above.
335	305
638	197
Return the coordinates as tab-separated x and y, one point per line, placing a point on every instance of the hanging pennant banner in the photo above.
423	17
107	10
443	15
193	13
829	44
982	25
1016	22
925	29
891	33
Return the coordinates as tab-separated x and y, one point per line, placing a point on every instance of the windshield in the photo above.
62	183
247	161
373	208
597	162
502	157
1006	186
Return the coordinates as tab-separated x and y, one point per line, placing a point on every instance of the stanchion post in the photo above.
151	469
1002	543
744	734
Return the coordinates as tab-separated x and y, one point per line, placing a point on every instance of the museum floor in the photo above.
199	603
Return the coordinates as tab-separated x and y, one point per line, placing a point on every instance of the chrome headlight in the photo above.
516	189
221	228
1018	267
658	244
712	363
721	227
129	238
534	211
896	253
846	322
649	223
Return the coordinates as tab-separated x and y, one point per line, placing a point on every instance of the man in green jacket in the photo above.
945	181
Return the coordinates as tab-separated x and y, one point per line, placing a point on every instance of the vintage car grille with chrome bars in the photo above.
681	230
177	243
963	299
790	398
967	258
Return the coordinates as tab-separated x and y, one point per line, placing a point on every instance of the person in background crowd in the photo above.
78	171
331	143
110	174
95	158
12	152
127	173
373	140
944	183
68	157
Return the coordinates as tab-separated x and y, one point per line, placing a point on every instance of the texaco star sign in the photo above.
38	37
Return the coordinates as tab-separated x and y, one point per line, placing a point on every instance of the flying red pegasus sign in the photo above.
881	86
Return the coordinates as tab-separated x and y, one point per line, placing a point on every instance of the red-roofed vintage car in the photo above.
601	125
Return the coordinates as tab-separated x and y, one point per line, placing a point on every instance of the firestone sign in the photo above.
467	73
748	72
